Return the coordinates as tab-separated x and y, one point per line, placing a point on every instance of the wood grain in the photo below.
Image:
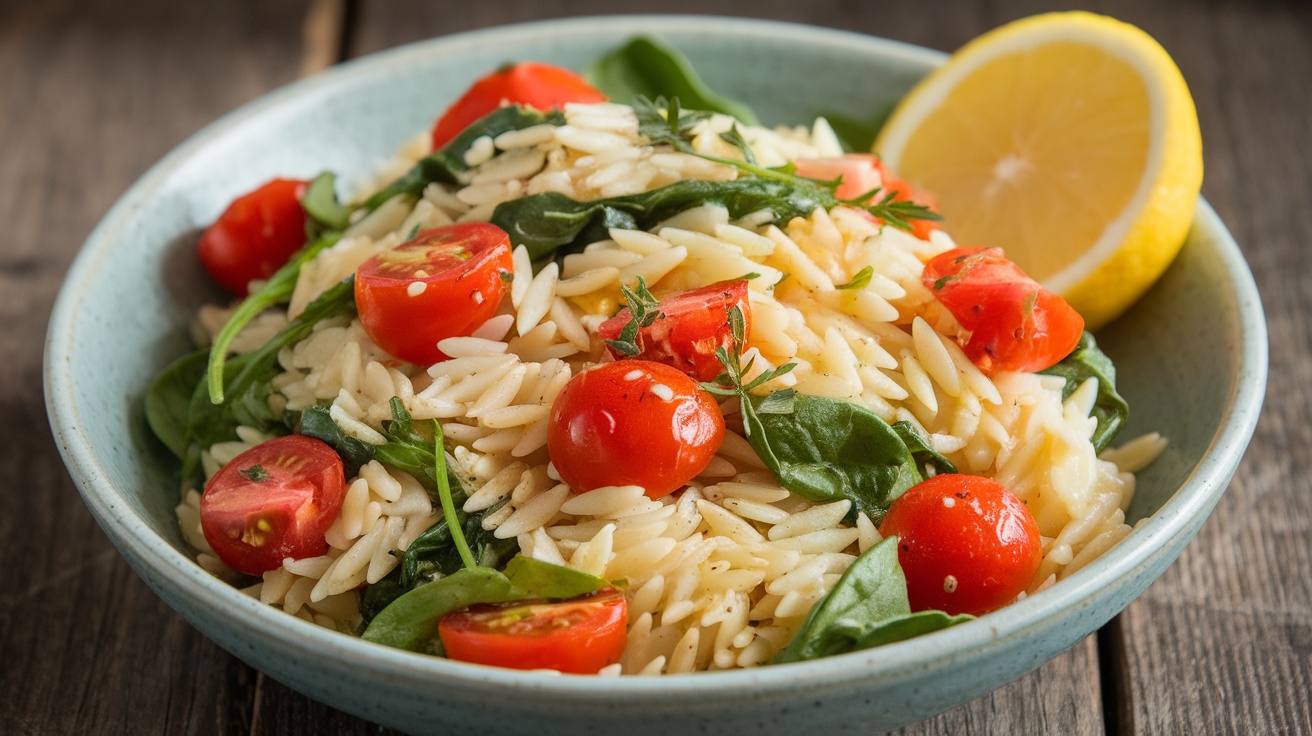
92	93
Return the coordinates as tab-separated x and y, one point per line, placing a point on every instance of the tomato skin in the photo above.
967	528
610	426
693	324
1015	324
256	235
273	501
537	85
577	636
862	172
463	272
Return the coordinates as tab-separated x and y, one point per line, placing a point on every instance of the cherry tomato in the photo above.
541	86
1014	323
273	501
442	283
965	543
578	636
862	172
633	422
691	326
256	235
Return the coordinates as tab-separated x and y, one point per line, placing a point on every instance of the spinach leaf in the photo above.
550	221
866	608
648	67
918	444
410	622
826	450
444	166
1110	409
168	401
321	204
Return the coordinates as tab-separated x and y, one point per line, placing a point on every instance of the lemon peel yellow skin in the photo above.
1068	139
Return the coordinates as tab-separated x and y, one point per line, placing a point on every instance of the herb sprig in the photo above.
664	122
643	311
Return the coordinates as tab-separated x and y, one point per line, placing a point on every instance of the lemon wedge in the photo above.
1069	140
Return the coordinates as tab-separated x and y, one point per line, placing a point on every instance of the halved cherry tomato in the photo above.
530	83
577	636
1014	323
965	543
862	172
633	422
256	235
691	326
442	283
271	502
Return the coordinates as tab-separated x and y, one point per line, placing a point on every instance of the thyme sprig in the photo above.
732	382
664	122
643	311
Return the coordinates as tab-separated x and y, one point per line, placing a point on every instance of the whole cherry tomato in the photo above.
273	501
633	422
1014	323
578	636
256	235
691	325
537	85
966	544
442	283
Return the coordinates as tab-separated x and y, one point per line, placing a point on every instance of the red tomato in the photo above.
966	544
273	501
578	636
691	326
633	422
1014	323
442	283
256	235
529	83
862	172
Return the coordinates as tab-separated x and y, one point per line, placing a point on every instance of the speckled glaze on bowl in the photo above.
1191	356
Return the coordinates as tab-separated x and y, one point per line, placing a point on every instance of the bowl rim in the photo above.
155	557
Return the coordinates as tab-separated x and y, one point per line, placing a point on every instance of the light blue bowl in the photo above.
1192	361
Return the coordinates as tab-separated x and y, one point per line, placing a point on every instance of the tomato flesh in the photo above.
860	173
1014	323
966	544
442	283
274	501
256	235
691	326
577	636
633	422
537	85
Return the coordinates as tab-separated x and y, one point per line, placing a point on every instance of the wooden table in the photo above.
92	93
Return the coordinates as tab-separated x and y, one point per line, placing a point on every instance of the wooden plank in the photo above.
95	92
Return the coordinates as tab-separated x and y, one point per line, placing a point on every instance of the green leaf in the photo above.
827	450
922	450
168	400
321	204
861	280
548	222
445	165
867	607
410	622
855	133
1110	409
648	67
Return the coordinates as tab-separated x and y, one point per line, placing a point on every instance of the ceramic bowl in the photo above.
1191	358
